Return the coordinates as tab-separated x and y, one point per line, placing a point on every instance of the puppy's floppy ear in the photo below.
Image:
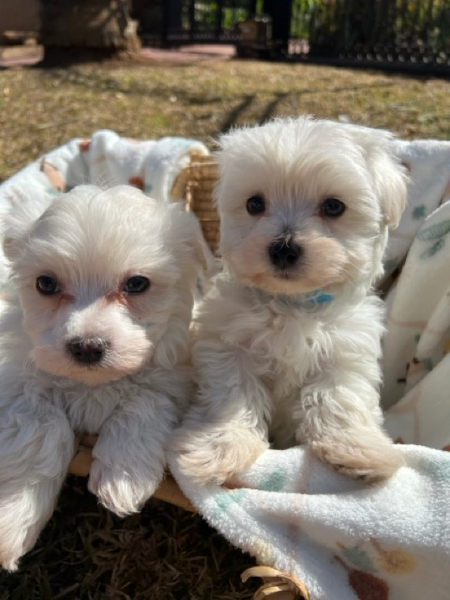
388	174
190	235
24	210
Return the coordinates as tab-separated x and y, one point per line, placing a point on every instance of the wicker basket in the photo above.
195	185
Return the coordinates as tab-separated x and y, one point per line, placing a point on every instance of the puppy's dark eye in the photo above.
46	285
332	207
136	285
256	205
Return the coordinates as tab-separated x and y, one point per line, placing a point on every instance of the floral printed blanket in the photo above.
339	539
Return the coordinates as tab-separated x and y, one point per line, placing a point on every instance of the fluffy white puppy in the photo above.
94	339
288	342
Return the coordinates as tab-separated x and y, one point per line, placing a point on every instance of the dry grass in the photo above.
165	553
40	109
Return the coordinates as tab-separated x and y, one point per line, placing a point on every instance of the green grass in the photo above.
165	553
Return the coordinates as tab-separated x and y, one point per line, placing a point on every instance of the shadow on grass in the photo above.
234	114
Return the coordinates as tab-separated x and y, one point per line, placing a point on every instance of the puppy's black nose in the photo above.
284	252
87	351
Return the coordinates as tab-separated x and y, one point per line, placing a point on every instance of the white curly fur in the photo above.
270	362
91	241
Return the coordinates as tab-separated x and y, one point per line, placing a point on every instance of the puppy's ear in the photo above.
388	174
190	236
23	212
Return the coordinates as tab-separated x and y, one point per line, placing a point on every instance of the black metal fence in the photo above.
409	33
173	22
414	32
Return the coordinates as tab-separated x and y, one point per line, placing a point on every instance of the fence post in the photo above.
219	17
192	20
252	8
280	12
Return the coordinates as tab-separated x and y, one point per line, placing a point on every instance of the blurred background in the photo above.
151	68
414	33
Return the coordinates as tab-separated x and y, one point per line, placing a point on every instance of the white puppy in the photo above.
94	339
288	342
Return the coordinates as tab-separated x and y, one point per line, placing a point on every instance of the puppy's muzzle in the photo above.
284	252
87	351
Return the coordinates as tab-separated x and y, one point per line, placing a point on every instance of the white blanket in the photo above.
343	539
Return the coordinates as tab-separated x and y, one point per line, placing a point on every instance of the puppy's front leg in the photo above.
340	419
36	447
225	429
129	456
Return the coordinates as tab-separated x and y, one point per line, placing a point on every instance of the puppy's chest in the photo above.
291	350
87	410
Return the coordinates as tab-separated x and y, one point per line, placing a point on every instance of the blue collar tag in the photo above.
310	300
319	297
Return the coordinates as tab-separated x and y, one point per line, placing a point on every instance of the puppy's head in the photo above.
305	204
105	281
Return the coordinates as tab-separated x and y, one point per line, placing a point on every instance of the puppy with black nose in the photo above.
288	341
94	339
87	351
284	252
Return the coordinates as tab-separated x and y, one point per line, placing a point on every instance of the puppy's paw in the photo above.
17	534
25	509
9	558
118	491
216	457
14	541
369	463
